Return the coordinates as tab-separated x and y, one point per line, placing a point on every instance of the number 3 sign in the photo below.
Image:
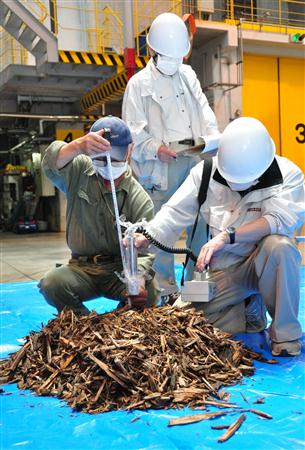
301	138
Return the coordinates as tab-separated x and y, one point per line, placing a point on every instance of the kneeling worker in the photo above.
255	201
80	170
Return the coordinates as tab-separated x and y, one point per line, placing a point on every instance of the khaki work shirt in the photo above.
91	227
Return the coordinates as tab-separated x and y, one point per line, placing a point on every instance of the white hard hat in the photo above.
168	36
245	150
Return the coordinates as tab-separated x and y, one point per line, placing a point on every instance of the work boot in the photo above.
290	348
255	314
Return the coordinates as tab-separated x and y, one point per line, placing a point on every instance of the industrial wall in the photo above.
274	92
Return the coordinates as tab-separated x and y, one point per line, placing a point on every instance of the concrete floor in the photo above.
26	257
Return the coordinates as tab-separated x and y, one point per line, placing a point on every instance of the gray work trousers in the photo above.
164	264
70	285
273	271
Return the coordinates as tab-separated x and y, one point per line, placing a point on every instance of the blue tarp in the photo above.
32	422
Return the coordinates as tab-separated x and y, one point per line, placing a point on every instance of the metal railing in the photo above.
11	52
281	13
37	8
100	22
109	37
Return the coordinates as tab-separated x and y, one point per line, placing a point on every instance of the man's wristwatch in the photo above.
231	233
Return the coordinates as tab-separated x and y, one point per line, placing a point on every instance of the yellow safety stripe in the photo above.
89	117
111	89
63	57
96	59
86	58
108	60
100	59
75	57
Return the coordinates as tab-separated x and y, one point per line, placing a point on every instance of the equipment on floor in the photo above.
25	226
21	201
200	289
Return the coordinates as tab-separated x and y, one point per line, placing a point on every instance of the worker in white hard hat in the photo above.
255	202
167	113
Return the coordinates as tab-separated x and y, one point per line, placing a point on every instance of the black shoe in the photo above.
169	299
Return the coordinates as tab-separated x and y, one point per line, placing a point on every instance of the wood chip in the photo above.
157	358
260	400
184	420
220	404
261	413
244	397
232	428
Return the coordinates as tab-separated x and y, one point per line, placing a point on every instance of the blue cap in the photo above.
119	133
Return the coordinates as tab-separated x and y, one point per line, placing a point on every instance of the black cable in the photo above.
167	249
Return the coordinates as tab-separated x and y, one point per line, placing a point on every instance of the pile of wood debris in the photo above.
157	358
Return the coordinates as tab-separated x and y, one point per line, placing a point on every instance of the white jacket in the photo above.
279	197
145	109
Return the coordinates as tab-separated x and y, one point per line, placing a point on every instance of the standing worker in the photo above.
167	112
255	202
80	170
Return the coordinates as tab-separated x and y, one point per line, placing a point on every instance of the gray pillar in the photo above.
128	25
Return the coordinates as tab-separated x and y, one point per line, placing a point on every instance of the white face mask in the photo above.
241	186
117	168
167	65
